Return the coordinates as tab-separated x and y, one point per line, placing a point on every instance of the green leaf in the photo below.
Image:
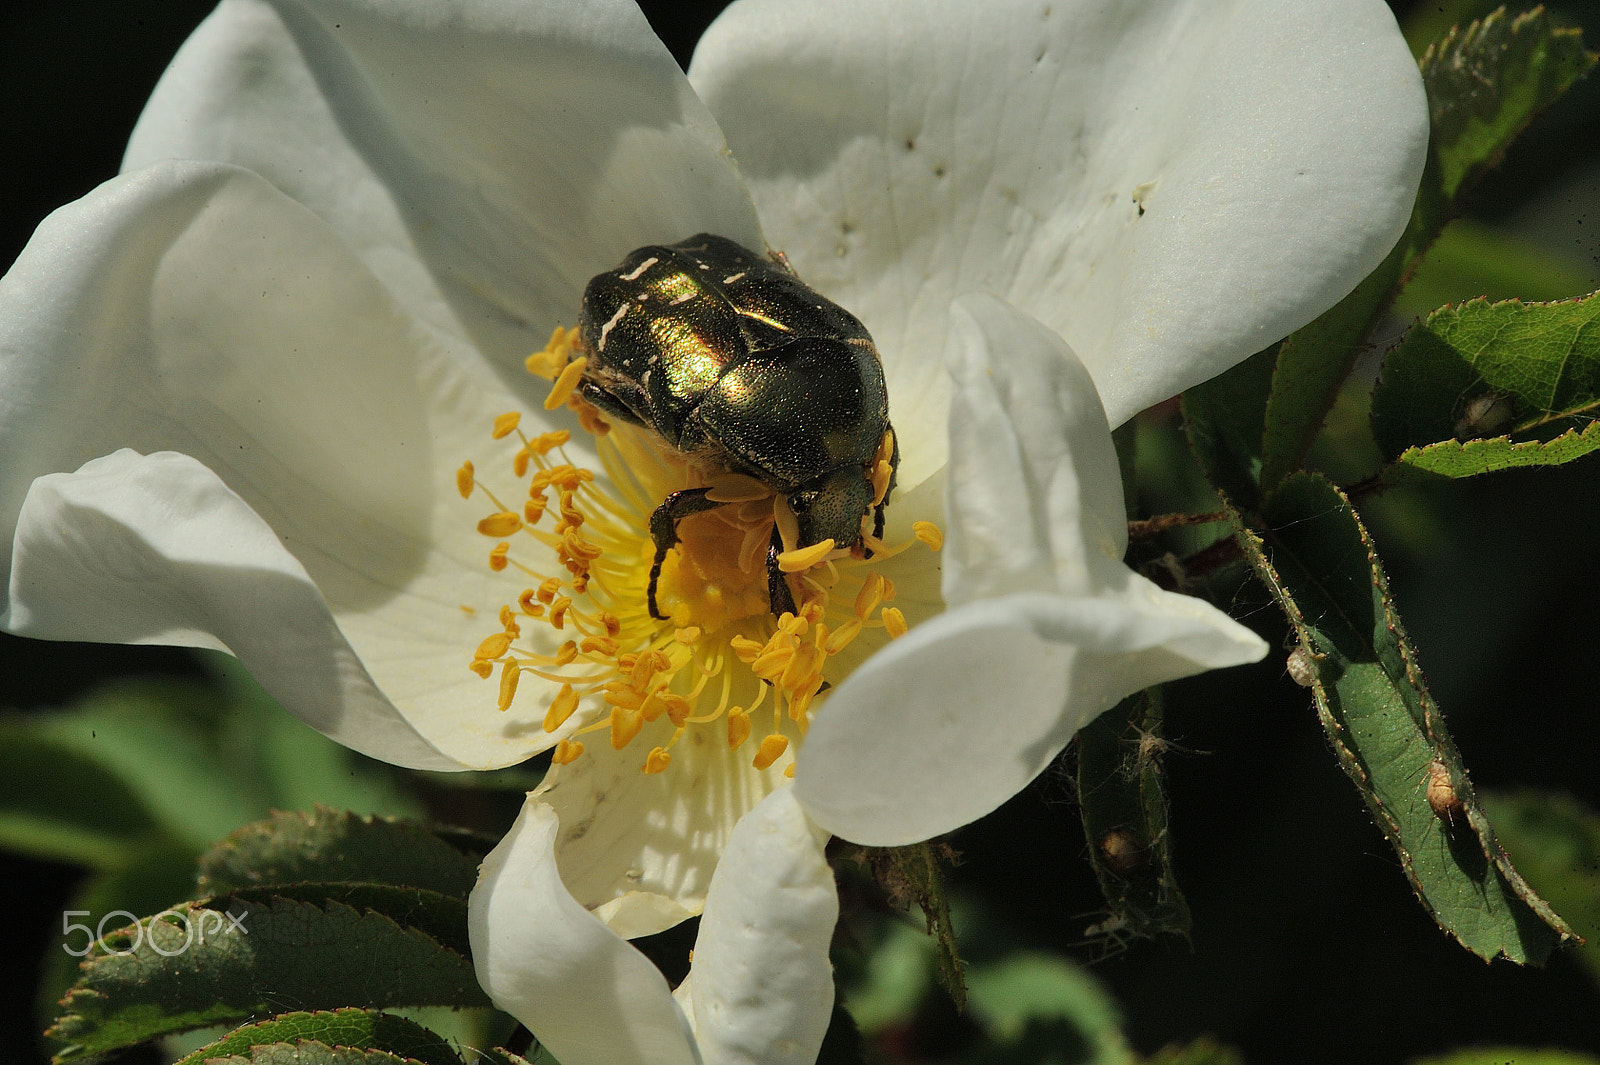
1484	84
1122	799
1556	840
1033	997
61	804
195	966
337	1029
309	1052
1318	561
1485	369
333	846
1452	459
1508	1056
1472	259
1225	420
1203	1051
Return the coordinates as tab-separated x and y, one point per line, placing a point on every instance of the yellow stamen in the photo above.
482	667
770	751
788	524
509	675
805	558
506	424
502	524
567	752
928	533
493	646
870	595
561	708
657	760
497	556
625	725
565	384
738	728
464	479
894	622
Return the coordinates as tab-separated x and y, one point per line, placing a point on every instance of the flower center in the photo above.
583	552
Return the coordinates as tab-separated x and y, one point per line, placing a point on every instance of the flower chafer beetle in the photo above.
732	360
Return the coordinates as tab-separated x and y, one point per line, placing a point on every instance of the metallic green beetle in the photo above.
732	360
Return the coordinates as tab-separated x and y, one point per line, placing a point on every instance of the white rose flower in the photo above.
239	382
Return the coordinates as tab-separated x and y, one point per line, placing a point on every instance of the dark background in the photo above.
1307	946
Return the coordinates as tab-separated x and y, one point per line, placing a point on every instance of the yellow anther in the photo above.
509	675
561	708
747	649
800	701
772	661
589	416
482	667
894	622
885	447
529	607
610	621
738	728
506	424
533	510
545	443
788	770
928	533
840	638
548	363
567	752
502	524
624	698
793	624
494	646
657	760
687	636
736	488
882	472
508	619
888	590
677	707
625	725
548	589
519	462
770	751
565	383
801	668
566	653
497	556
788	524
601	645
464	479
643	670
558	612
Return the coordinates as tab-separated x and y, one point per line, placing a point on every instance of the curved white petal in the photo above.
1035	491
962	712
762	982
156	549
640	849
583	991
484	159
1047	627
192	307
1169	185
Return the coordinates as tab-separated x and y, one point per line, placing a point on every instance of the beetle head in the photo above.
832	506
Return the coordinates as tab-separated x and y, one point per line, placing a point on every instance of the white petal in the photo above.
1047	627
1170	186
640	849
193	308
136	549
763	985
1035	491
584	992
963	711
484	159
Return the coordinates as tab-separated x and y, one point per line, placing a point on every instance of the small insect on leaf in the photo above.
1442	797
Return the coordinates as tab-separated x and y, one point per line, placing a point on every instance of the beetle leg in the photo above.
664	531
778	594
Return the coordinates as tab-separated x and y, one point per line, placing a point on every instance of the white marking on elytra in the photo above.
605	329
731	278
639	270
685	298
